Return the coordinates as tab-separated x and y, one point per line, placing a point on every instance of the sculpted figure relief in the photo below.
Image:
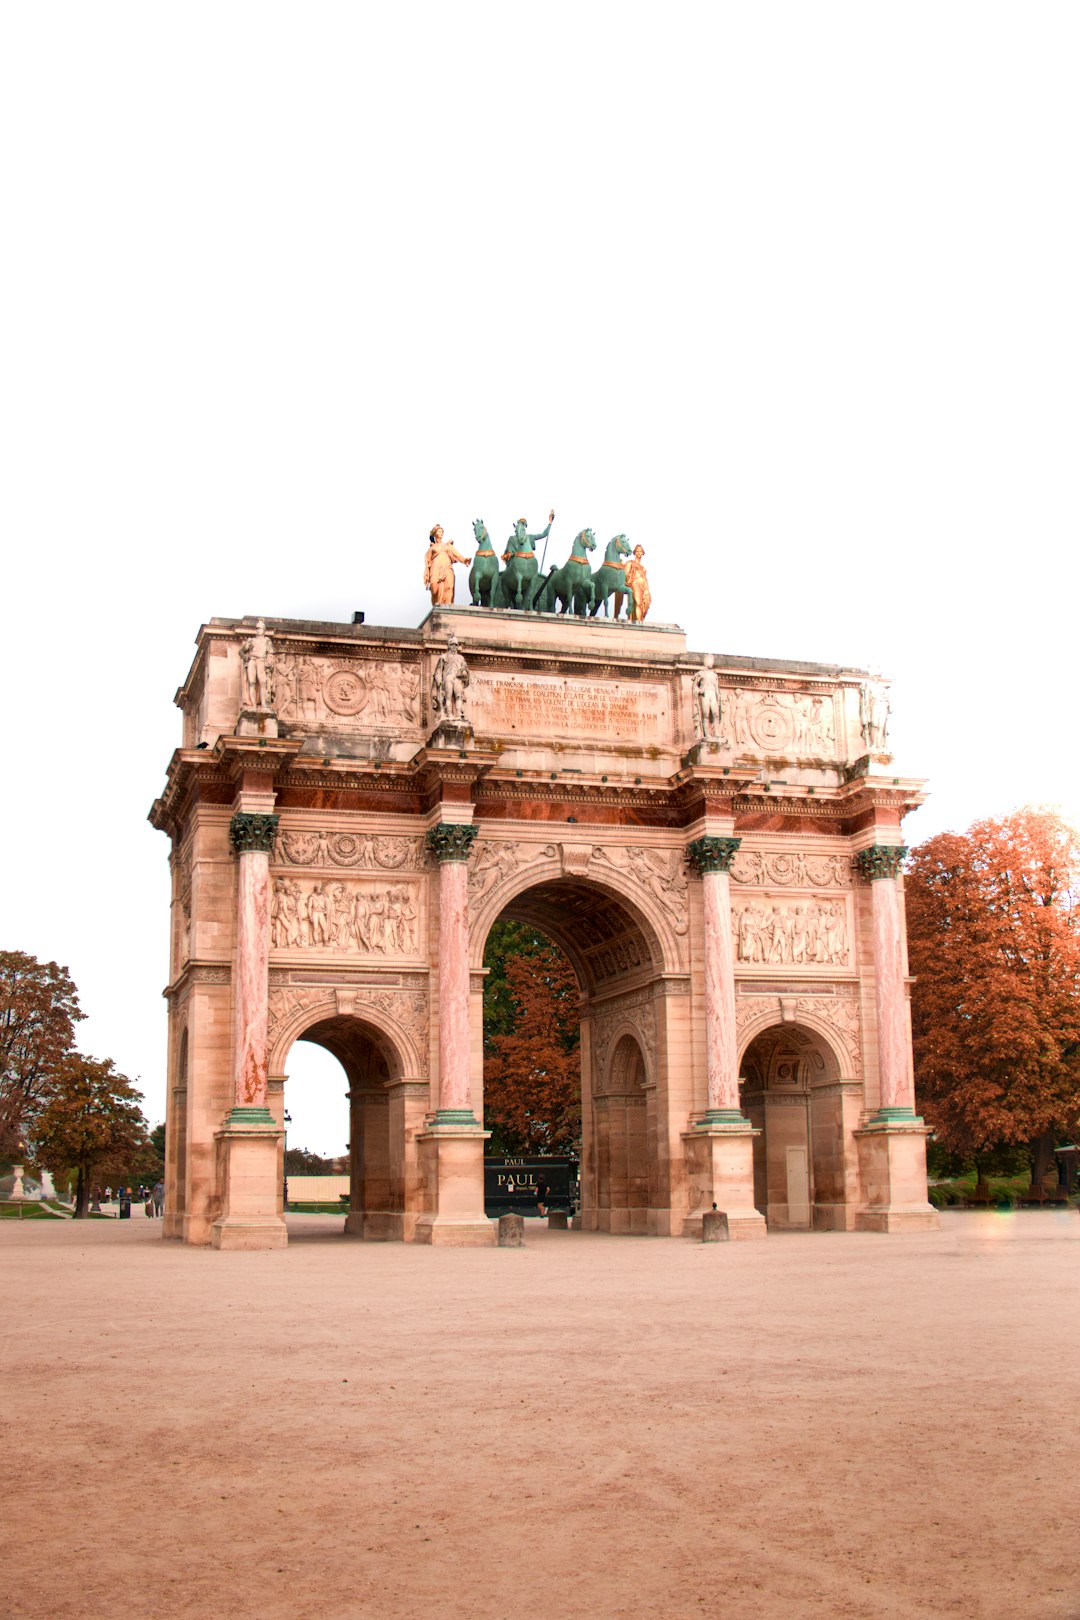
814	933
439	568
449	684
707	707
369	918
874	711
257	666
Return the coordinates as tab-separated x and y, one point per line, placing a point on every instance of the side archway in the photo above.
387	1105
794	1092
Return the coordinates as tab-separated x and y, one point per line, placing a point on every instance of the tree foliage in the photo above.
994	944
39	1008
93	1124
532	1066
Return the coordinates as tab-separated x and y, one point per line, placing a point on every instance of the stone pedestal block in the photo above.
714	1227
558	1222
511	1231
452	1172
248	1159
720	1171
892	1166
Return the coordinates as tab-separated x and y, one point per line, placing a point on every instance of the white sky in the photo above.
786	292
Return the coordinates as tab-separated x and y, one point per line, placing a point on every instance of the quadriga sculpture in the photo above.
571	586
484	573
520	580
610	577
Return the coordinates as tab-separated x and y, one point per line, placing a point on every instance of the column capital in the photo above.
451	840
712	854
252	832
881	861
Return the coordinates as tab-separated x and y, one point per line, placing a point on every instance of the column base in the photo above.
452	1176
892	1169
720	1171
248	1167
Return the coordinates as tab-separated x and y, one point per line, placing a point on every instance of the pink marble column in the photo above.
252	837
712	857
881	865
450	843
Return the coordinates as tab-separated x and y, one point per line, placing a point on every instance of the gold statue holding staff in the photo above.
439	568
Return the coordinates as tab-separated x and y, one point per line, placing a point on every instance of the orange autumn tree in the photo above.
532	1067
994	944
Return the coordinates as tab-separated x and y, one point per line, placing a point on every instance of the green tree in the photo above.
39	1008
92	1123
994	944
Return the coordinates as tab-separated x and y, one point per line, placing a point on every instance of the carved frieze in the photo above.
374	919
796	724
371	851
334	694
791	869
789	933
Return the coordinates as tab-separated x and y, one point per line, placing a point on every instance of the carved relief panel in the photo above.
346	695
777	931
798	725
351	917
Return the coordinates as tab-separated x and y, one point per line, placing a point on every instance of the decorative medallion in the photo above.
344	692
772	727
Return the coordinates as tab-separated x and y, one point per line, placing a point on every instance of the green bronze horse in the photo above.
571	586
520	580
484	573
610	577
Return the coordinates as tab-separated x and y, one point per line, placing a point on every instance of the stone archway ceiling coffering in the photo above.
598	933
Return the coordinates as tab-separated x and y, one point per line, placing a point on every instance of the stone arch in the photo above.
619	951
794	1091
627	1064
556	869
387	1104
569	906
293	1014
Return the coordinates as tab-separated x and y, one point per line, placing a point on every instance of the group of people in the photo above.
367	919
151	1198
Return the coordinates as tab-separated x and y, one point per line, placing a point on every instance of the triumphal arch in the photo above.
714	841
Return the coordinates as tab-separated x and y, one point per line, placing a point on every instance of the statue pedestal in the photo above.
720	1171
248	1167
257	723
451	734
892	1169
710	751
452	1175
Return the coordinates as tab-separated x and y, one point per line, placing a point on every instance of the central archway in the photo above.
618	958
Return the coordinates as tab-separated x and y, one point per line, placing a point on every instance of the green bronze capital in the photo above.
451	840
712	854
251	832
881	861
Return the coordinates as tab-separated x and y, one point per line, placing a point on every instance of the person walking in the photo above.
159	1197
541	1196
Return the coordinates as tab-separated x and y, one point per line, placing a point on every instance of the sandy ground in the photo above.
828	1425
